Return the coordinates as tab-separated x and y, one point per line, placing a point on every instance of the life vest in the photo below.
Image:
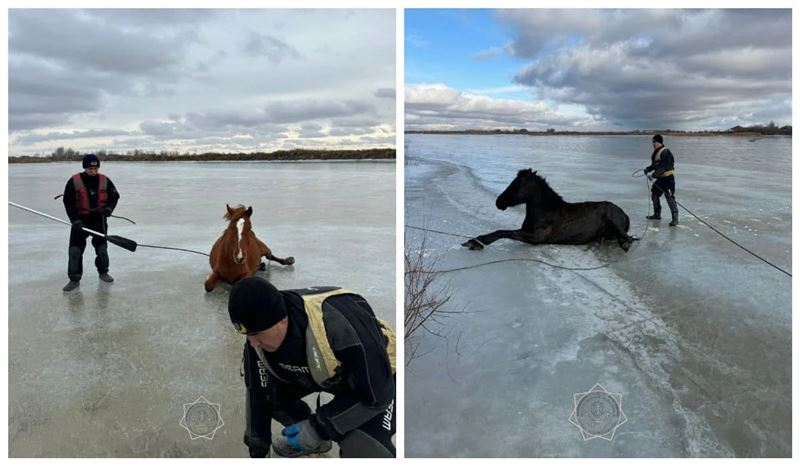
82	194
322	363
657	157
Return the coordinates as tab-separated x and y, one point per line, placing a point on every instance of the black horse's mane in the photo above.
548	195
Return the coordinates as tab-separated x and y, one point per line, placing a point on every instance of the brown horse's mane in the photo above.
228	236
238	209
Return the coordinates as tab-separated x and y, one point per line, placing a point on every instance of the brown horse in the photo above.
237	253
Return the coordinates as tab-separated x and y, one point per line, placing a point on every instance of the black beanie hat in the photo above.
255	305
90	160
657	138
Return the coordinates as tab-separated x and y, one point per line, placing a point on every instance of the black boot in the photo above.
673	207
71	285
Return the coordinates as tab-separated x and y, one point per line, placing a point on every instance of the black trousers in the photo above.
664	185
77	244
268	398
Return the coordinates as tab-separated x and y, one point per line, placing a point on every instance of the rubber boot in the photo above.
673	207
71	285
258	452
656	208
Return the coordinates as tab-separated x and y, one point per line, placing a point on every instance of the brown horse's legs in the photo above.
288	261
267	252
211	281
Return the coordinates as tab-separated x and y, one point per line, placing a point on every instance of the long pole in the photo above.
124	243
52	218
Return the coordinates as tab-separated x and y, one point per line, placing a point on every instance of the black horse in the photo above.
549	219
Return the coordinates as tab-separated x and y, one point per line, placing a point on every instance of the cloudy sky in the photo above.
200	80
584	69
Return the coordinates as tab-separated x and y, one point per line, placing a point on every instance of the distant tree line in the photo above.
769	129
69	155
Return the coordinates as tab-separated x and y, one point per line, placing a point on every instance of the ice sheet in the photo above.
693	332
105	371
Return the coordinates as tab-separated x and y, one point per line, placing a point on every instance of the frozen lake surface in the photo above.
105	371
693	332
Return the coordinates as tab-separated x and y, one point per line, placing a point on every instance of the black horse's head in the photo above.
526	187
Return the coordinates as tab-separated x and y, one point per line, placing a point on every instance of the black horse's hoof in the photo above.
625	245
262	267
289	261
474	244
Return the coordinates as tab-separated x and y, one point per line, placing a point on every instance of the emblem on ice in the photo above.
201	419
598	413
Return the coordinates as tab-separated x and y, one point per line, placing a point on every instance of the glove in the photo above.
77	225
302	436
648	169
107	212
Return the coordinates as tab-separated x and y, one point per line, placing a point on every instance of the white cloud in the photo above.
437	106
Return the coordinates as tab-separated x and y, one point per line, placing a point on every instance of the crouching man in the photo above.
315	340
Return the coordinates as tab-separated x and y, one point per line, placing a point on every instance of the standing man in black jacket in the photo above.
89	198
304	341
662	164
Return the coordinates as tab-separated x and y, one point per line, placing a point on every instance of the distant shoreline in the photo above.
279	156
596	133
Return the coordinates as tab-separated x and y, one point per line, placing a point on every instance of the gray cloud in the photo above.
62	136
147	18
71	37
301	110
386	93
107	78
63	63
306	117
263	45
42	95
312	130
681	69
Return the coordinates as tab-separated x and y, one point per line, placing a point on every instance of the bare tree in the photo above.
423	299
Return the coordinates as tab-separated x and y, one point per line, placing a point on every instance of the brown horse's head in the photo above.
238	226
